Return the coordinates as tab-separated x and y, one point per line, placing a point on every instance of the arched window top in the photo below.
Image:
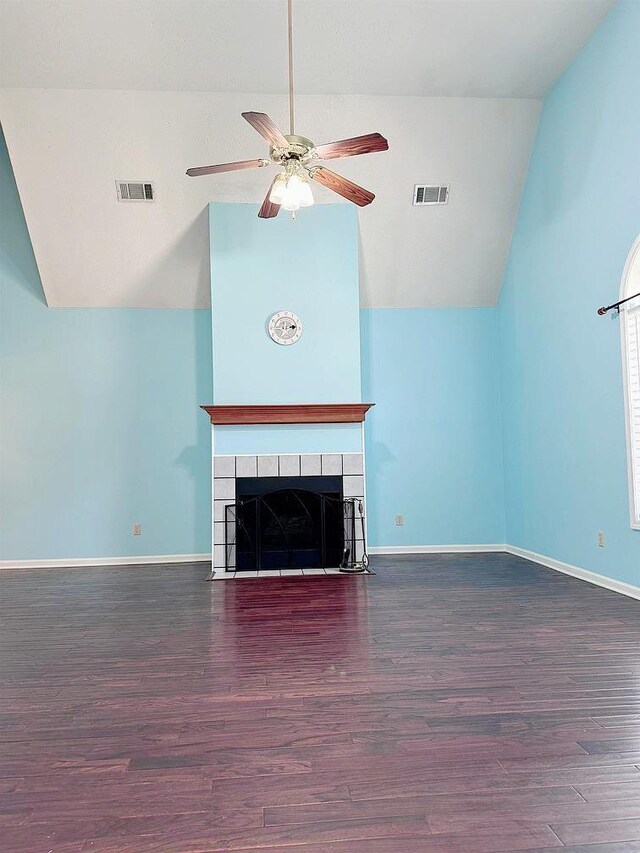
630	328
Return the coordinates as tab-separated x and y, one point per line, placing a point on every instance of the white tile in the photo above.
246	466
269	573
267	466
224	488
297	573
310	465
219	536
222	559
224	466
352	463
221	575
331	464
219	513
353	487
289	466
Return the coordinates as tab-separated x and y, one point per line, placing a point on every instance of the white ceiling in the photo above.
68	147
454	48
99	90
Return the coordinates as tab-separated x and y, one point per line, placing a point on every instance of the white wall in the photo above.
69	146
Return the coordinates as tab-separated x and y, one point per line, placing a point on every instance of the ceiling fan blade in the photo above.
269	209
266	128
350	147
227	167
347	189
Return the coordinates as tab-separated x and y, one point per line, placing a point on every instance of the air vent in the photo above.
135	191
428	194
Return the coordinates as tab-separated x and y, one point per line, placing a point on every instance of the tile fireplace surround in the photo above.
350	466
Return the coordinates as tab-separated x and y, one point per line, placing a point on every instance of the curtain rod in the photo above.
602	311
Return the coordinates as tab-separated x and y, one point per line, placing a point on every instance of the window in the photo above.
630	314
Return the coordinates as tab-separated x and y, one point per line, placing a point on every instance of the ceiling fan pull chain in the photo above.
290	38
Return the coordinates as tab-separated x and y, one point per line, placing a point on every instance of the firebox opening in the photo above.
287	523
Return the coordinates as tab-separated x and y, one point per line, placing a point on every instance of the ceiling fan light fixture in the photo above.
299	187
279	189
307	196
292	192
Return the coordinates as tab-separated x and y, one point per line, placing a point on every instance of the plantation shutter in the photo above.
632	347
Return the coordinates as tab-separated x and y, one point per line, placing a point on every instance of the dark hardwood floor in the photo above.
450	704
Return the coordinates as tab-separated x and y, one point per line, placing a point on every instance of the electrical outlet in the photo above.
399	520
601	539
136	530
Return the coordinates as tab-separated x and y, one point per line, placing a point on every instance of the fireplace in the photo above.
288	523
287	512
290	512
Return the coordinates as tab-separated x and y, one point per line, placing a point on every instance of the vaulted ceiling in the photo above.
450	48
454	85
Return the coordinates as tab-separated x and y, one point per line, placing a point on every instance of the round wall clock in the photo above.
285	328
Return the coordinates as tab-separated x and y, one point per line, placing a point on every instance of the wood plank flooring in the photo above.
449	704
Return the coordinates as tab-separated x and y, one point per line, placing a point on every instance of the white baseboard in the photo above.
85	562
549	562
435	549
576	572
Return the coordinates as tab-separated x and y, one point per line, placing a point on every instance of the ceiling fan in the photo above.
290	189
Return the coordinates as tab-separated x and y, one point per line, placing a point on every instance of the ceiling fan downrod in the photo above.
290	42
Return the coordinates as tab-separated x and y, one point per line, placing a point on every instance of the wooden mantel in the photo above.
303	413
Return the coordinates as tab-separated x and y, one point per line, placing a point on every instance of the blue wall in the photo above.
99	420
434	449
101	426
310	267
289	438
564	433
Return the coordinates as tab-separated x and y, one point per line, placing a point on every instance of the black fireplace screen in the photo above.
304	525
